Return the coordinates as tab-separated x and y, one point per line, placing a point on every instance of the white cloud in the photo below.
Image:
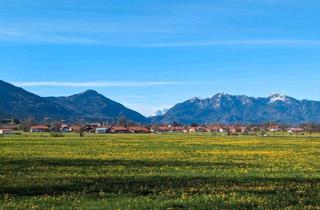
95	84
146	110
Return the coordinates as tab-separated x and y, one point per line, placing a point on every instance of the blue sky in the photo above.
151	54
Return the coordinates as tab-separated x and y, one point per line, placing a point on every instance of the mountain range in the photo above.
223	108
230	109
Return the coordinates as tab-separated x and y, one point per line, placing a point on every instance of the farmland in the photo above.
168	171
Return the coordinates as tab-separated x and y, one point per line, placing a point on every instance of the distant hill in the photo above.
91	104
229	109
18	103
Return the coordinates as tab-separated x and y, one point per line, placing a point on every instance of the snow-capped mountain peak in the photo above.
278	97
230	109
195	99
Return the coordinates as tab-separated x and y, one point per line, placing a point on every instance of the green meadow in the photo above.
159	172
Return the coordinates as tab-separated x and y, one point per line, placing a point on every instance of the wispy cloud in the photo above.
266	42
95	84
15	36
38	38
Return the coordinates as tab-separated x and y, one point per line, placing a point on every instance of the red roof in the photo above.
215	127
119	128
163	128
40	127
5	129
12	127
179	128
274	126
139	129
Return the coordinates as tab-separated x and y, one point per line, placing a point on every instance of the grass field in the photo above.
159	172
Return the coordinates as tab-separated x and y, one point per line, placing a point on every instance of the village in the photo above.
100	128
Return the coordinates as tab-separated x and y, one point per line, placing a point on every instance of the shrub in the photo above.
56	134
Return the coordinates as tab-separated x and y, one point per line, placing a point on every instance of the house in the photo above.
295	130
237	129
274	128
39	129
192	130
201	129
162	129
138	129
242	129
75	128
12	127
65	128
233	130
216	129
6	131
94	124
91	127
179	129
256	129
119	129
102	130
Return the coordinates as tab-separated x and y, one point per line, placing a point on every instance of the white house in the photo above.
295	130
102	130
6	131
66	128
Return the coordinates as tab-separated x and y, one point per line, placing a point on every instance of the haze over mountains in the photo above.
18	103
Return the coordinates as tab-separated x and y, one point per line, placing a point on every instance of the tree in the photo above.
81	132
309	127
175	124
123	121
55	126
194	125
25	125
